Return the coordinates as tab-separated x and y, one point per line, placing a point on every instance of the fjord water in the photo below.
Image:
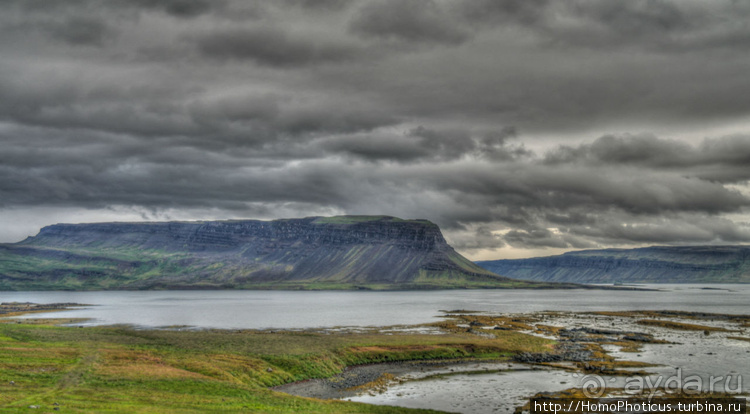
498	392
313	309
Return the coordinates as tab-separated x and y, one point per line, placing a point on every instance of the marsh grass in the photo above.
680	325
121	369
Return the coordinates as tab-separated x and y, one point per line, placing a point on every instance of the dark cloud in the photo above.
269	46
523	12
483	203
326	6
514	124
663	25
659	22
81	31
184	9
425	144
376	148
721	159
408	21
628	149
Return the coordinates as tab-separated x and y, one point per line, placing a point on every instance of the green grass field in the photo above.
124	370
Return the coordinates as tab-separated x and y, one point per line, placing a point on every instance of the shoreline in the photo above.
524	284
583	349
370	378
339	368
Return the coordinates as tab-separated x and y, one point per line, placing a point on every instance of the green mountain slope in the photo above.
692	264
368	252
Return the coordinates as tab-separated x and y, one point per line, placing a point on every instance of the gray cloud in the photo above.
720	159
422	144
522	198
408	21
512	124
81	31
178	8
476	238
663	25
270	46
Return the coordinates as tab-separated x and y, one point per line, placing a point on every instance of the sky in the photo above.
521	127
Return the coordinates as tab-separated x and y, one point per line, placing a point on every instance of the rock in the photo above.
638	337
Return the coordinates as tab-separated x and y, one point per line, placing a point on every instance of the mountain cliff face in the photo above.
314	252
696	264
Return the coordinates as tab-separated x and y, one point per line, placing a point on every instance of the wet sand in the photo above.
373	378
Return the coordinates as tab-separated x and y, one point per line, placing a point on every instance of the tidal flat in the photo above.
616	354
381	370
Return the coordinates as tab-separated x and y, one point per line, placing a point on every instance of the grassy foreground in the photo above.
120	369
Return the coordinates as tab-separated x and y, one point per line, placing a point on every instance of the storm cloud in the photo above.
518	126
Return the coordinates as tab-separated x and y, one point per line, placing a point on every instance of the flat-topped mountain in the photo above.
370	252
660	264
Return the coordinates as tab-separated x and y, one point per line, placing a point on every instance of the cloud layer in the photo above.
515	125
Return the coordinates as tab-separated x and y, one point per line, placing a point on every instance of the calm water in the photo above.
470	394
292	309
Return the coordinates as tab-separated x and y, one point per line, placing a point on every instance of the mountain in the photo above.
367	252
694	264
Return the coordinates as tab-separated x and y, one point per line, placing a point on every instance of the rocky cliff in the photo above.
316	252
694	264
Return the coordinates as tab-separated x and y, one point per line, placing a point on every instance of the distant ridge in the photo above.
344	252
659	264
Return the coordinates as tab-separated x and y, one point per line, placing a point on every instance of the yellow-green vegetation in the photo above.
679	325
515	323
603	363
599	361
120	369
740	319
358	219
739	338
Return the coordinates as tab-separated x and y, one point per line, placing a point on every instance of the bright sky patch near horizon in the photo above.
522	128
